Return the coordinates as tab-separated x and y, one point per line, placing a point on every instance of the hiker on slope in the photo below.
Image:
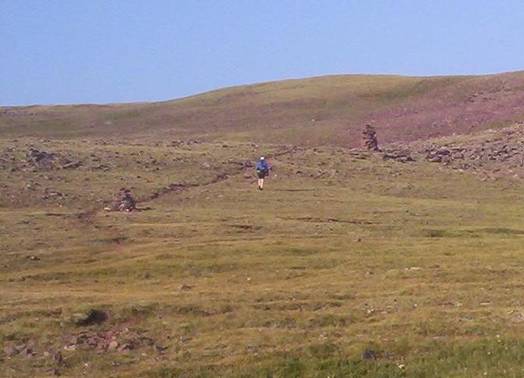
262	169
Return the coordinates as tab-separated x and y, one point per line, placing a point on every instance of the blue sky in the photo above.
100	51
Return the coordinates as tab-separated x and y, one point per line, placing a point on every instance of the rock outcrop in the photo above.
490	154
41	159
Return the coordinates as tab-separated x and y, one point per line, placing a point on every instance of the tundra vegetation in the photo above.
402	262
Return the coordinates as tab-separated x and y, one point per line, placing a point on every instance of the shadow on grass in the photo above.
471	233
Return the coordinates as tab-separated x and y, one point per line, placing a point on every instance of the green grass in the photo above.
420	265
312	111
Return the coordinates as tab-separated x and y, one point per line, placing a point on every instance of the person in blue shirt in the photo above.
262	168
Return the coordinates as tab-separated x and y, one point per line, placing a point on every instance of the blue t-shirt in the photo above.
262	165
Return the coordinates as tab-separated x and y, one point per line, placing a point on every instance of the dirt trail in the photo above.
241	167
179	187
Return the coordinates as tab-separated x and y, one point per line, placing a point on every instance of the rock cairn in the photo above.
123	201
369	138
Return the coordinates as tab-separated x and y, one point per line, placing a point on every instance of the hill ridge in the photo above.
321	110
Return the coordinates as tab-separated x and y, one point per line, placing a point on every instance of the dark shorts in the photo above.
261	174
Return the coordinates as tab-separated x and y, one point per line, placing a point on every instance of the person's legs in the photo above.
260	177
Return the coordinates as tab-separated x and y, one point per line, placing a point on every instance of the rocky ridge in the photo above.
490	154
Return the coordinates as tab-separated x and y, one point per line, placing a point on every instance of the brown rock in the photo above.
33	258
27	352
369	354
125	347
92	316
113	345
10	351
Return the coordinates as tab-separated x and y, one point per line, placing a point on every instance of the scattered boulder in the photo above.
52	194
71	165
90	317
438	155
113	345
33	258
41	159
24	349
102	167
369	354
58	359
10	351
490	154
27	351
160	348
400	155
112	340
498	152
179	143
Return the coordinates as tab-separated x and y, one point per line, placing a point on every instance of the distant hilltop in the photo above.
328	110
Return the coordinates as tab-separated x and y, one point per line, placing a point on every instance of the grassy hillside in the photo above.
346	265
401	263
316	111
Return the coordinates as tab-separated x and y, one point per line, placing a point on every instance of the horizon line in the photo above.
157	101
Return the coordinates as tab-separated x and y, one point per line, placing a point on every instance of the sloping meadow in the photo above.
345	265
